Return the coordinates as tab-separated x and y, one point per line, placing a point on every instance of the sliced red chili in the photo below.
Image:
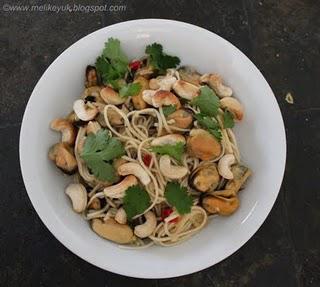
135	65
166	212
147	159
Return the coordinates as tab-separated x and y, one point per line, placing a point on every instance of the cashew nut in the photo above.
111	97
162	83
93	127
144	230
118	190
111	230
147	96
233	106
68	131
170	139
182	118
160	98
121	216
137	100
224	166
134	169
220	205
62	155
186	90
169	170
215	82
84	112
165	98
78	195
203	145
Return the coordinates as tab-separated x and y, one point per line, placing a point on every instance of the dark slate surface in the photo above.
281	37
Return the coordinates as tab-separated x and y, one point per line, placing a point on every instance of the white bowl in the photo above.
261	137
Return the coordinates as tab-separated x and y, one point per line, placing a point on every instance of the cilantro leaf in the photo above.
174	150
207	101
112	50
135	201
210	124
160	60
99	149
113	63
129	90
168	110
228	121
102	170
206	122
178	197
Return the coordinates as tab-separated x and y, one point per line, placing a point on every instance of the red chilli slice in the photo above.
147	159
166	212
135	65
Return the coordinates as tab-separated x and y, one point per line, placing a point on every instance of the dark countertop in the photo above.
282	37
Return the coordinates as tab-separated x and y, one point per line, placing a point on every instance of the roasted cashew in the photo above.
136	170
78	195
84	112
186	90
118	190
169	170
121	216
215	82
233	106
144	230
111	97
225	164
164	83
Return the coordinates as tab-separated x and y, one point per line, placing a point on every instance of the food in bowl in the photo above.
151	148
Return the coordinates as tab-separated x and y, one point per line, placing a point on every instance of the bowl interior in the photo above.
261	138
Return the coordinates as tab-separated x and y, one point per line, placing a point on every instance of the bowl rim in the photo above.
45	217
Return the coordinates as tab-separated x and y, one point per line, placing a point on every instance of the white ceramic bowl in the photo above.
261	137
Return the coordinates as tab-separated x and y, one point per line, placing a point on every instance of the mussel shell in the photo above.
200	168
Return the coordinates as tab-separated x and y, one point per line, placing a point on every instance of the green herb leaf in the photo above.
210	124
112	51
113	63
178	197
168	110
99	149
207	102
160	60
216	133
176	150
130	90
228	121
135	201
206	122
